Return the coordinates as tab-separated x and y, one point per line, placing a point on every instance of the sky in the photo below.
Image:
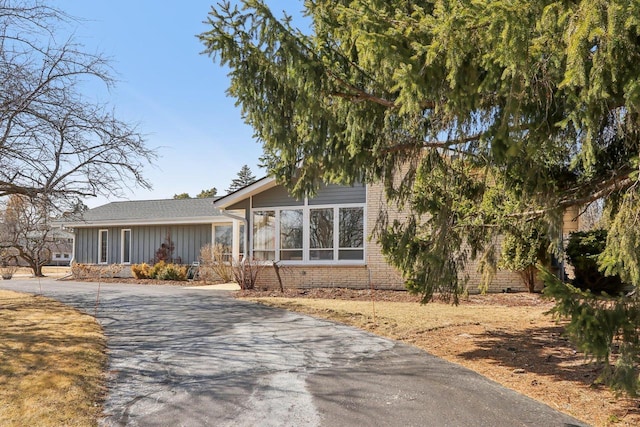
175	94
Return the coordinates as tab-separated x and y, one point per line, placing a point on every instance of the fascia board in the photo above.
246	192
151	221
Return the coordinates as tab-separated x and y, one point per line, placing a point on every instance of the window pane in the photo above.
264	255
223	236
291	229
321	229
126	246
241	239
351	228
102	256
288	255
320	254
264	235
351	254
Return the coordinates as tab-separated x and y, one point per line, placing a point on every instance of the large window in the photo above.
103	246
126	247
291	235
311	234
264	235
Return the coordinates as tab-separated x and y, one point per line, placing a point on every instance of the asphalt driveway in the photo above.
185	357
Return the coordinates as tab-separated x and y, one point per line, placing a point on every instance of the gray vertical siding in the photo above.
86	245
331	194
276	196
145	241
243	204
340	194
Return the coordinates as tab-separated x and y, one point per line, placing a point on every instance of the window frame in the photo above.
105	238
276	239
306	230
122	245
227	256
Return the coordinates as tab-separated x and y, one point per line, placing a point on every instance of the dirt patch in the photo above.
505	337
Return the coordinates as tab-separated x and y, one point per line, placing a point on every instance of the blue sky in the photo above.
175	94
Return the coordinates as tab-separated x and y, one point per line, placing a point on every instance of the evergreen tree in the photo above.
447	104
181	196
245	177
204	194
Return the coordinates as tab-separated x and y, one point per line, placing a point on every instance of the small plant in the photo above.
213	264
8	265
165	251
154	272
141	271
89	271
81	271
246	272
173	272
8	269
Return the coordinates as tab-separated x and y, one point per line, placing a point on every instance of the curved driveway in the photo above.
189	357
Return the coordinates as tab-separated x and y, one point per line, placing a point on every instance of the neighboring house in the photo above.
58	245
61	247
317	242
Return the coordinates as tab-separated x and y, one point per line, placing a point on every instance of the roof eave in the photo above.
141	221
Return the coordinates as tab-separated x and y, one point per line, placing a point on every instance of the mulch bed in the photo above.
504	299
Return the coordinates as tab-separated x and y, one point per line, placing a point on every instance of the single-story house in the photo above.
318	242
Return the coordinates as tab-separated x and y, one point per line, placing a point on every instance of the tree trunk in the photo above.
37	270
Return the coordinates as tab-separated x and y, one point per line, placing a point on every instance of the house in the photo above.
61	247
317	242
131	232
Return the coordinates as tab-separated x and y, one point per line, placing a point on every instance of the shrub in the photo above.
156	269
172	272
213	265
90	271
582	251
246	272
522	249
141	271
165	251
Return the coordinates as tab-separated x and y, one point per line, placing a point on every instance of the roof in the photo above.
141	212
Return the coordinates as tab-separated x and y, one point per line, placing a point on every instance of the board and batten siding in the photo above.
276	196
145	241
331	194
339	194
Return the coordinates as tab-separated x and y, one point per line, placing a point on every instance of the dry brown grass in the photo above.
52	360
506	338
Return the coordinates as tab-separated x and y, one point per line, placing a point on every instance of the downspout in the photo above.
73	242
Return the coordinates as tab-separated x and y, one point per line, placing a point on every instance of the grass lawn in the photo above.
52	361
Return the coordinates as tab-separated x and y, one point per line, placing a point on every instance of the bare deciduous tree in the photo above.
53	140
26	231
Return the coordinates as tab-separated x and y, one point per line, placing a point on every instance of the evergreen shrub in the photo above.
141	271
172	272
582	251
